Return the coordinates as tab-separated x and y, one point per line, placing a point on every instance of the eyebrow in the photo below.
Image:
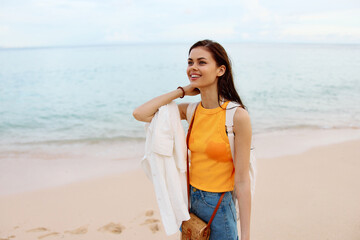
198	58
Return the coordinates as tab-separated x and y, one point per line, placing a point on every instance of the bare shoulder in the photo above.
241	115
182	109
242	120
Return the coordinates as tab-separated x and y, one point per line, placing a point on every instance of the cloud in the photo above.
255	11
245	35
196	31
334	26
3	29
76	22
321	30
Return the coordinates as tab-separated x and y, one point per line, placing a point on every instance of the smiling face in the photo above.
202	68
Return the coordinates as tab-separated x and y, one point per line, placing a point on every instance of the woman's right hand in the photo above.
191	91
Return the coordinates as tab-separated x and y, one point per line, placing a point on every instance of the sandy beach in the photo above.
309	194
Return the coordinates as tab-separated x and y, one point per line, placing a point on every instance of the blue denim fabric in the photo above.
224	225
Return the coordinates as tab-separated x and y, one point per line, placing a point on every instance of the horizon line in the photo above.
167	43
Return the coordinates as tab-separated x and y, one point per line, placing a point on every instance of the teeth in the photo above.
194	75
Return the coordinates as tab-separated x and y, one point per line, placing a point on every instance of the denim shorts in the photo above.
224	224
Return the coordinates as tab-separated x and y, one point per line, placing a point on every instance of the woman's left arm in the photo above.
243	133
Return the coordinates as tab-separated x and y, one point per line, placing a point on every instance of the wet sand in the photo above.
310	195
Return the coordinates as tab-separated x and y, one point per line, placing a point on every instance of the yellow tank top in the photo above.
211	167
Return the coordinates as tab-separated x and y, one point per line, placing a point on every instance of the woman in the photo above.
212	169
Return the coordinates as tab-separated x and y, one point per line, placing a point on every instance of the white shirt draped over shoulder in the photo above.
165	165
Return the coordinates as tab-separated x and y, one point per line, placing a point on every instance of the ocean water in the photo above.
84	96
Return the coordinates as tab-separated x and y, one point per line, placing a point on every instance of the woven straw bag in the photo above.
195	228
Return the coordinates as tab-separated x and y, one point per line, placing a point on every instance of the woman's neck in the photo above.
209	97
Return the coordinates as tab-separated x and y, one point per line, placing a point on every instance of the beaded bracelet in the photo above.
182	89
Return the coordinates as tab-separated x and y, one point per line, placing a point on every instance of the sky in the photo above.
37	23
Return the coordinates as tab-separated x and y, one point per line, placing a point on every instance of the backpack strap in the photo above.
229	123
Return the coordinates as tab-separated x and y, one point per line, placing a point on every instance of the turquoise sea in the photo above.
86	95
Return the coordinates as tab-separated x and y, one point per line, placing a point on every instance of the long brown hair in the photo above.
225	84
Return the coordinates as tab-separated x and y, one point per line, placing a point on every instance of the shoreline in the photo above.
42	170
311	195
